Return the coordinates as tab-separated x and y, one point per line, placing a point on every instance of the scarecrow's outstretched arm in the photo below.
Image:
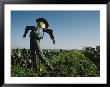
51	33
27	29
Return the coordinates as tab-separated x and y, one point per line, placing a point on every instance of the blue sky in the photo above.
73	29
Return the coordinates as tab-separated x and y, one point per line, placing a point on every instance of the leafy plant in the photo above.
66	63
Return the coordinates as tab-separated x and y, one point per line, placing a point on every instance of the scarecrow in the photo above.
36	34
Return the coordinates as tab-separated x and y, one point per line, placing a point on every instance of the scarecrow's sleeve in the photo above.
27	29
51	33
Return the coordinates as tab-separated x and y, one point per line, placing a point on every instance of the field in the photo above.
66	63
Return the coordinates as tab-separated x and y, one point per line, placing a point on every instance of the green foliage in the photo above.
66	63
93	54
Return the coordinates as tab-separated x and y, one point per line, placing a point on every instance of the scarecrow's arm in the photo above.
27	29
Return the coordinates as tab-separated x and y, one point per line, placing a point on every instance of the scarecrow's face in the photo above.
41	24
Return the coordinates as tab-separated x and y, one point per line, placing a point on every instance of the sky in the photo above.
73	29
